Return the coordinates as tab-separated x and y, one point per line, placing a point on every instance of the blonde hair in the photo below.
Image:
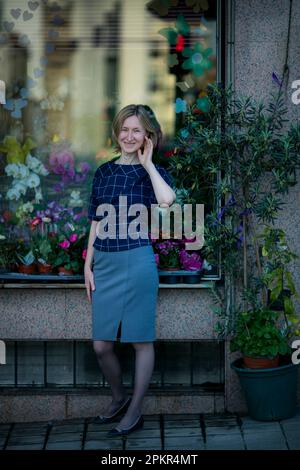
148	121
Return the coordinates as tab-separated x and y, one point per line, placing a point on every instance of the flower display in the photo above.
190	262
48	233
62	163
171	254
25	176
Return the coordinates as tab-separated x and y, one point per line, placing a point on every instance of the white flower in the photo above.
33	181
75	200
27	207
38	195
11	169
32	162
17	170
13	194
42	170
46	219
35	165
20	186
2	237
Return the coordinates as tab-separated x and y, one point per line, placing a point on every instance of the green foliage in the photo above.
16	152
258	334
244	155
44	248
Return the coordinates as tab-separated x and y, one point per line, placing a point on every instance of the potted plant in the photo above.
191	265
7	254
234	162
26	259
265	332
43	251
259	338
167	252
68	254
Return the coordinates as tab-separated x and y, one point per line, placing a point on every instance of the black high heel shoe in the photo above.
124	432
114	417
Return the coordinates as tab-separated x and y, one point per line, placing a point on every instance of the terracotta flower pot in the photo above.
66	272
260	362
27	268
45	268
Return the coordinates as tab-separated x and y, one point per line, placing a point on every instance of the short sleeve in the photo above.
168	179
93	203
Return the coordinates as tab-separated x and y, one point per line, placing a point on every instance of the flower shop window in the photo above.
66	75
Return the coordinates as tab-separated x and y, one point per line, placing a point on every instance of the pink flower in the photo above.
156	259
84	253
73	237
65	244
36	221
190	262
62	157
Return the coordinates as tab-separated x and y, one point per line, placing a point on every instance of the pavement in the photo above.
160	432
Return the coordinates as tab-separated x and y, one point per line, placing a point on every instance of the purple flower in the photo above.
65	244
73	237
80	178
84	167
190	262
58	187
77	216
276	79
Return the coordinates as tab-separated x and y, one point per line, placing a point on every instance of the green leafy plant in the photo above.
245	157
43	249
275	276
16	151
7	253
257	334
68	252
26	259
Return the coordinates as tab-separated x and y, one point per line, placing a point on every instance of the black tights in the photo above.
111	369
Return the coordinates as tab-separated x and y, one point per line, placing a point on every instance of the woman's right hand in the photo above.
89	281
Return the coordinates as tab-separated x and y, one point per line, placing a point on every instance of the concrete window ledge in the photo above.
34	285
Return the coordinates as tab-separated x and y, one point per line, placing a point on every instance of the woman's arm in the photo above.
163	192
88	273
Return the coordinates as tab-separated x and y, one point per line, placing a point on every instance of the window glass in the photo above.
70	65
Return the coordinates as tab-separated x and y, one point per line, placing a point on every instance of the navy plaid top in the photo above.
113	179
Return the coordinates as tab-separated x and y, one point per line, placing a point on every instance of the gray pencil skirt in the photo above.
125	295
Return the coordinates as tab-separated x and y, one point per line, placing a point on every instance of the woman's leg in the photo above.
144	364
110	366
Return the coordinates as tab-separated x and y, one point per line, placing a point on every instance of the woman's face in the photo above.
132	135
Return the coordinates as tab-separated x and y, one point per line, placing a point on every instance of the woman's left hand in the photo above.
145	157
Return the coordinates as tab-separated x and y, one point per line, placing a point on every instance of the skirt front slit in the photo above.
125	295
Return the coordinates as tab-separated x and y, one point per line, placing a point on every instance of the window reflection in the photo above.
69	66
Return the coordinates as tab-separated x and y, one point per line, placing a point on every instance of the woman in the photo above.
123	284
